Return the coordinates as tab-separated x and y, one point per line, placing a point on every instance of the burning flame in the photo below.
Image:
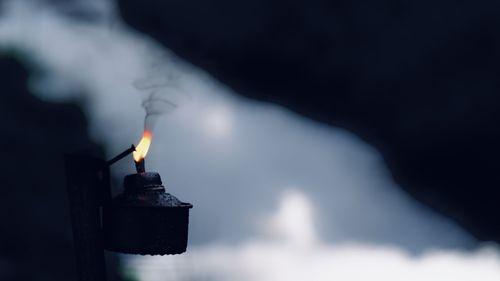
142	148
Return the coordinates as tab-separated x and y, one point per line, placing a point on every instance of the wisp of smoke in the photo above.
162	91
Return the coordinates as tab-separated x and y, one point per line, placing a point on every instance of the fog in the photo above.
276	196
290	250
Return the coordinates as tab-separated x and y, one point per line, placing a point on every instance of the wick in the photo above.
140	166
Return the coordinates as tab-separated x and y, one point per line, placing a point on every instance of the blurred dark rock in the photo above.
35	230
417	79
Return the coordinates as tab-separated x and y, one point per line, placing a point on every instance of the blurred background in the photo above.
320	140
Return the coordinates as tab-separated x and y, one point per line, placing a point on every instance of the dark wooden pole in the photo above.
86	195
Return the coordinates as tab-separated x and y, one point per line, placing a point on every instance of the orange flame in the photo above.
142	148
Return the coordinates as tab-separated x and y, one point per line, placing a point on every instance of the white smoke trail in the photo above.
161	87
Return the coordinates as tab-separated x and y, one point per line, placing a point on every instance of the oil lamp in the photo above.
143	219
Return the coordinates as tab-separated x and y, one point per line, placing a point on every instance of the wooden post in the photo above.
86	195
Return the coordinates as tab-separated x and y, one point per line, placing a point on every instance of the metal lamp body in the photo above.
144	219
